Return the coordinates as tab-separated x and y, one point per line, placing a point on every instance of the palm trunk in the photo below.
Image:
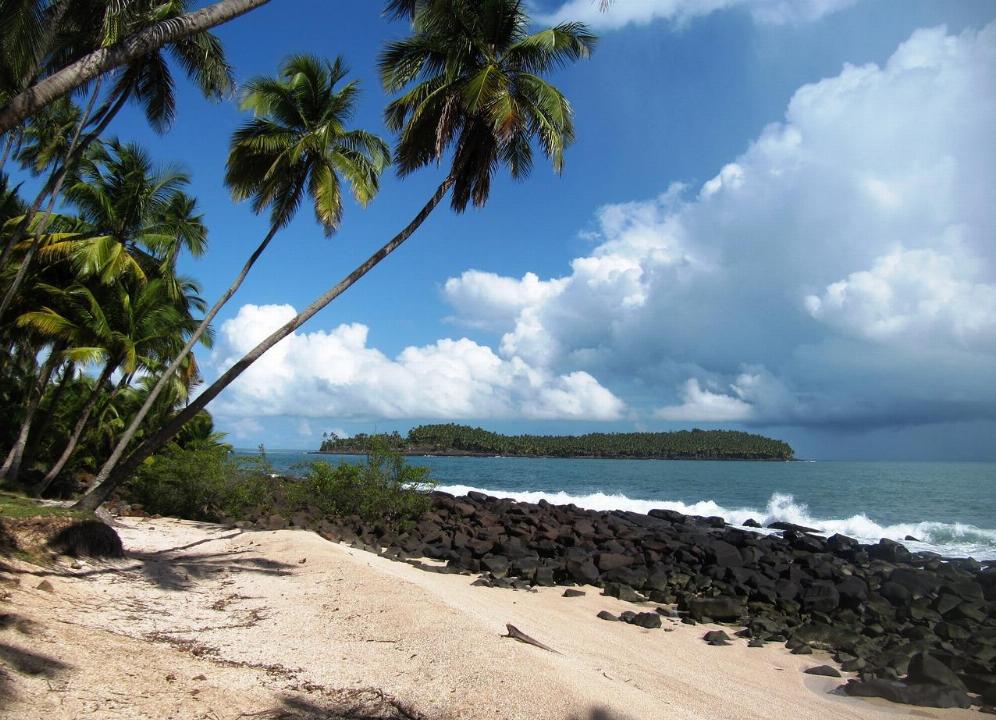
104	59
110	478
77	432
45	413
12	465
53	187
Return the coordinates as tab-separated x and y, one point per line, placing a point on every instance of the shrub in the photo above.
207	483
384	488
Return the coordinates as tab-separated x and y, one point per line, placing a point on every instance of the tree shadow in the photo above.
598	714
25	662
352	704
174	569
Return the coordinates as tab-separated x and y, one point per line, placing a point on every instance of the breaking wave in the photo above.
948	539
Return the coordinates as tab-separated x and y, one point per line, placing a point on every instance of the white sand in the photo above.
345	630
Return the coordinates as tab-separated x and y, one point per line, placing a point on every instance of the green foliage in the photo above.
685	444
208	483
385	487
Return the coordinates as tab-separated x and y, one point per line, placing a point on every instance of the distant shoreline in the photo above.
460	453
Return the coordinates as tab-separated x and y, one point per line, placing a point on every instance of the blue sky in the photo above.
776	216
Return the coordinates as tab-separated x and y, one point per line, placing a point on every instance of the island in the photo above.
463	440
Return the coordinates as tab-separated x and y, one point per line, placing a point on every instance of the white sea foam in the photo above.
949	539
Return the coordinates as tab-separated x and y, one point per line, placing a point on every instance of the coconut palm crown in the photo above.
472	80
297	144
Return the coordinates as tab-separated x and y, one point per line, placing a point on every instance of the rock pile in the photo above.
917	628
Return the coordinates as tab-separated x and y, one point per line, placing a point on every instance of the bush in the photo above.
384	488
207	483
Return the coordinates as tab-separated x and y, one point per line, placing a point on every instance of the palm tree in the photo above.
475	87
126	330
295	147
102	59
146	79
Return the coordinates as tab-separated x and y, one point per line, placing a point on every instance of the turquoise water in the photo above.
950	507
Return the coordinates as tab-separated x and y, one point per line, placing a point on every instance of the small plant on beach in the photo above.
385	488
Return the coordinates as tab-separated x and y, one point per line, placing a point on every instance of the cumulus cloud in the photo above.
840	270
336	374
641	12
909	296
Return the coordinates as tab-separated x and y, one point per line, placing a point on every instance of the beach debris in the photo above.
45	586
516	634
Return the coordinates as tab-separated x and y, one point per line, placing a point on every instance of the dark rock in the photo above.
911	538
821	596
583	572
927	695
571	592
723	554
802	649
755	643
88	538
606	615
716	637
824	670
623	592
852	591
719	608
496	565
649	620
889	551
928	670
751	523
779	525
610	561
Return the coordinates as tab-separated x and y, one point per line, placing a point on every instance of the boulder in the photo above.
928	670
824	670
927	695
727	609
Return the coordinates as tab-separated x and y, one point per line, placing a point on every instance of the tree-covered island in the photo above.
453	439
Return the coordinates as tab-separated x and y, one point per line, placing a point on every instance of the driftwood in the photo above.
516	634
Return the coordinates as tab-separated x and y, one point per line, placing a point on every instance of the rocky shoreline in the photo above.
915	627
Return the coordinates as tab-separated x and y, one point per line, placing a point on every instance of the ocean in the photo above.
950	507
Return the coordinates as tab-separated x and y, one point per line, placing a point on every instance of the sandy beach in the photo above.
202	621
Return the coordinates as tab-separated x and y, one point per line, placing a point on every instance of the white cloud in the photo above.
841	269
909	296
336	374
701	405
496	300
641	12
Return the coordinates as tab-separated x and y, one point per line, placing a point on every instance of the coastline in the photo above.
286	624
463	453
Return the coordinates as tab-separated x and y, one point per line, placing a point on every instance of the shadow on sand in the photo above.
174	569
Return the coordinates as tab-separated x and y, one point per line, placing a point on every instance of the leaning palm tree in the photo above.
295	147
472	75
78	71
